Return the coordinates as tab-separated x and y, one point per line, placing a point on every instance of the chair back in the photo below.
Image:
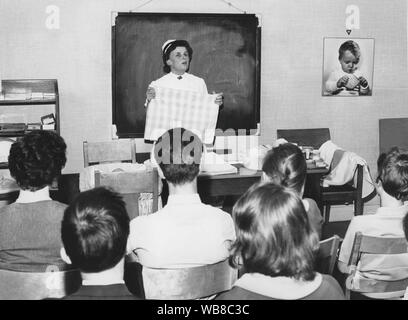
188	283
344	195
364	244
393	132
305	137
109	151
130	185
38	285
327	255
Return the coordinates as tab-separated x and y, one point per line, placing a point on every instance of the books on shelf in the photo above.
48	126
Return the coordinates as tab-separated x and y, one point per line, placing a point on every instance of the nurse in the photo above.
177	55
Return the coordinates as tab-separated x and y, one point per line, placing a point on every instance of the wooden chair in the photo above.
393	132
345	194
119	150
364	244
130	185
16	285
305	137
327	255
188	283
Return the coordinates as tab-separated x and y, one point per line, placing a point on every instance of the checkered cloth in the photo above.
179	108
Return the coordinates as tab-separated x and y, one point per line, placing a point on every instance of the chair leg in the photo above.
347	294
327	213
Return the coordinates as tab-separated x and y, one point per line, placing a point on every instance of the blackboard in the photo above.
226	54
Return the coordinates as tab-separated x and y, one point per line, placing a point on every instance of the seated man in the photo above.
94	233
387	221
186	232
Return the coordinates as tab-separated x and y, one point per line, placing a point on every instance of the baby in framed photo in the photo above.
350	72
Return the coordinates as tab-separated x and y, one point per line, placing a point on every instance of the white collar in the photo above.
102	282
174	75
393	211
27	196
183	199
278	287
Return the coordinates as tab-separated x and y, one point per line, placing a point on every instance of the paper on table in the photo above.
214	164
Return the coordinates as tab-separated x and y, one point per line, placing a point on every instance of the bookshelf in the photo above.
23	104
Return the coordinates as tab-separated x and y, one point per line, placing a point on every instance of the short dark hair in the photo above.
274	235
36	159
351	46
178	153
286	165
393	173
95	229
173	45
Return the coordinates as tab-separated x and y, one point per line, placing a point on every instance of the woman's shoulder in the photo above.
192	76
328	290
238	293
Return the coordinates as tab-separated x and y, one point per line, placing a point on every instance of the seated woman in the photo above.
286	165
30	237
276	246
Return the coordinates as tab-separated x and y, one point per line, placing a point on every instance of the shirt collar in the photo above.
177	75
394	211
279	287
183	199
27	196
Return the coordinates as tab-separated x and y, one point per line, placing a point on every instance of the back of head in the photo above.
274	236
95	229
393	173
36	159
178	153
286	165
169	46
351	46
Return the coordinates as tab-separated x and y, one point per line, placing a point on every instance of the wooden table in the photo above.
237	183
220	185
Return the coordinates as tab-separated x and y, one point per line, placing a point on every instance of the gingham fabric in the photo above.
180	108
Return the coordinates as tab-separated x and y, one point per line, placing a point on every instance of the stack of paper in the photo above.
214	164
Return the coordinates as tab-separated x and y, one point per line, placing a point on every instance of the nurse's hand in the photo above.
150	93
219	99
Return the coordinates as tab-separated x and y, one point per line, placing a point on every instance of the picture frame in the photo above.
348	67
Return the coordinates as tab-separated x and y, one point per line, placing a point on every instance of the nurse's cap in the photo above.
167	45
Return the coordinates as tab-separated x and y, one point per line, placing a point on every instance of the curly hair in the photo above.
393	173
36	159
286	165
351	46
274	235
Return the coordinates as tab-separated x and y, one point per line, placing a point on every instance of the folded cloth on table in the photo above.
343	167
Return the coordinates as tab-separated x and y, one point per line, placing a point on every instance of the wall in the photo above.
79	56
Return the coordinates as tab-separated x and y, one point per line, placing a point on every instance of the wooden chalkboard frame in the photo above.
255	103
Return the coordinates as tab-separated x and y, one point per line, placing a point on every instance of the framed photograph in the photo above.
348	67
